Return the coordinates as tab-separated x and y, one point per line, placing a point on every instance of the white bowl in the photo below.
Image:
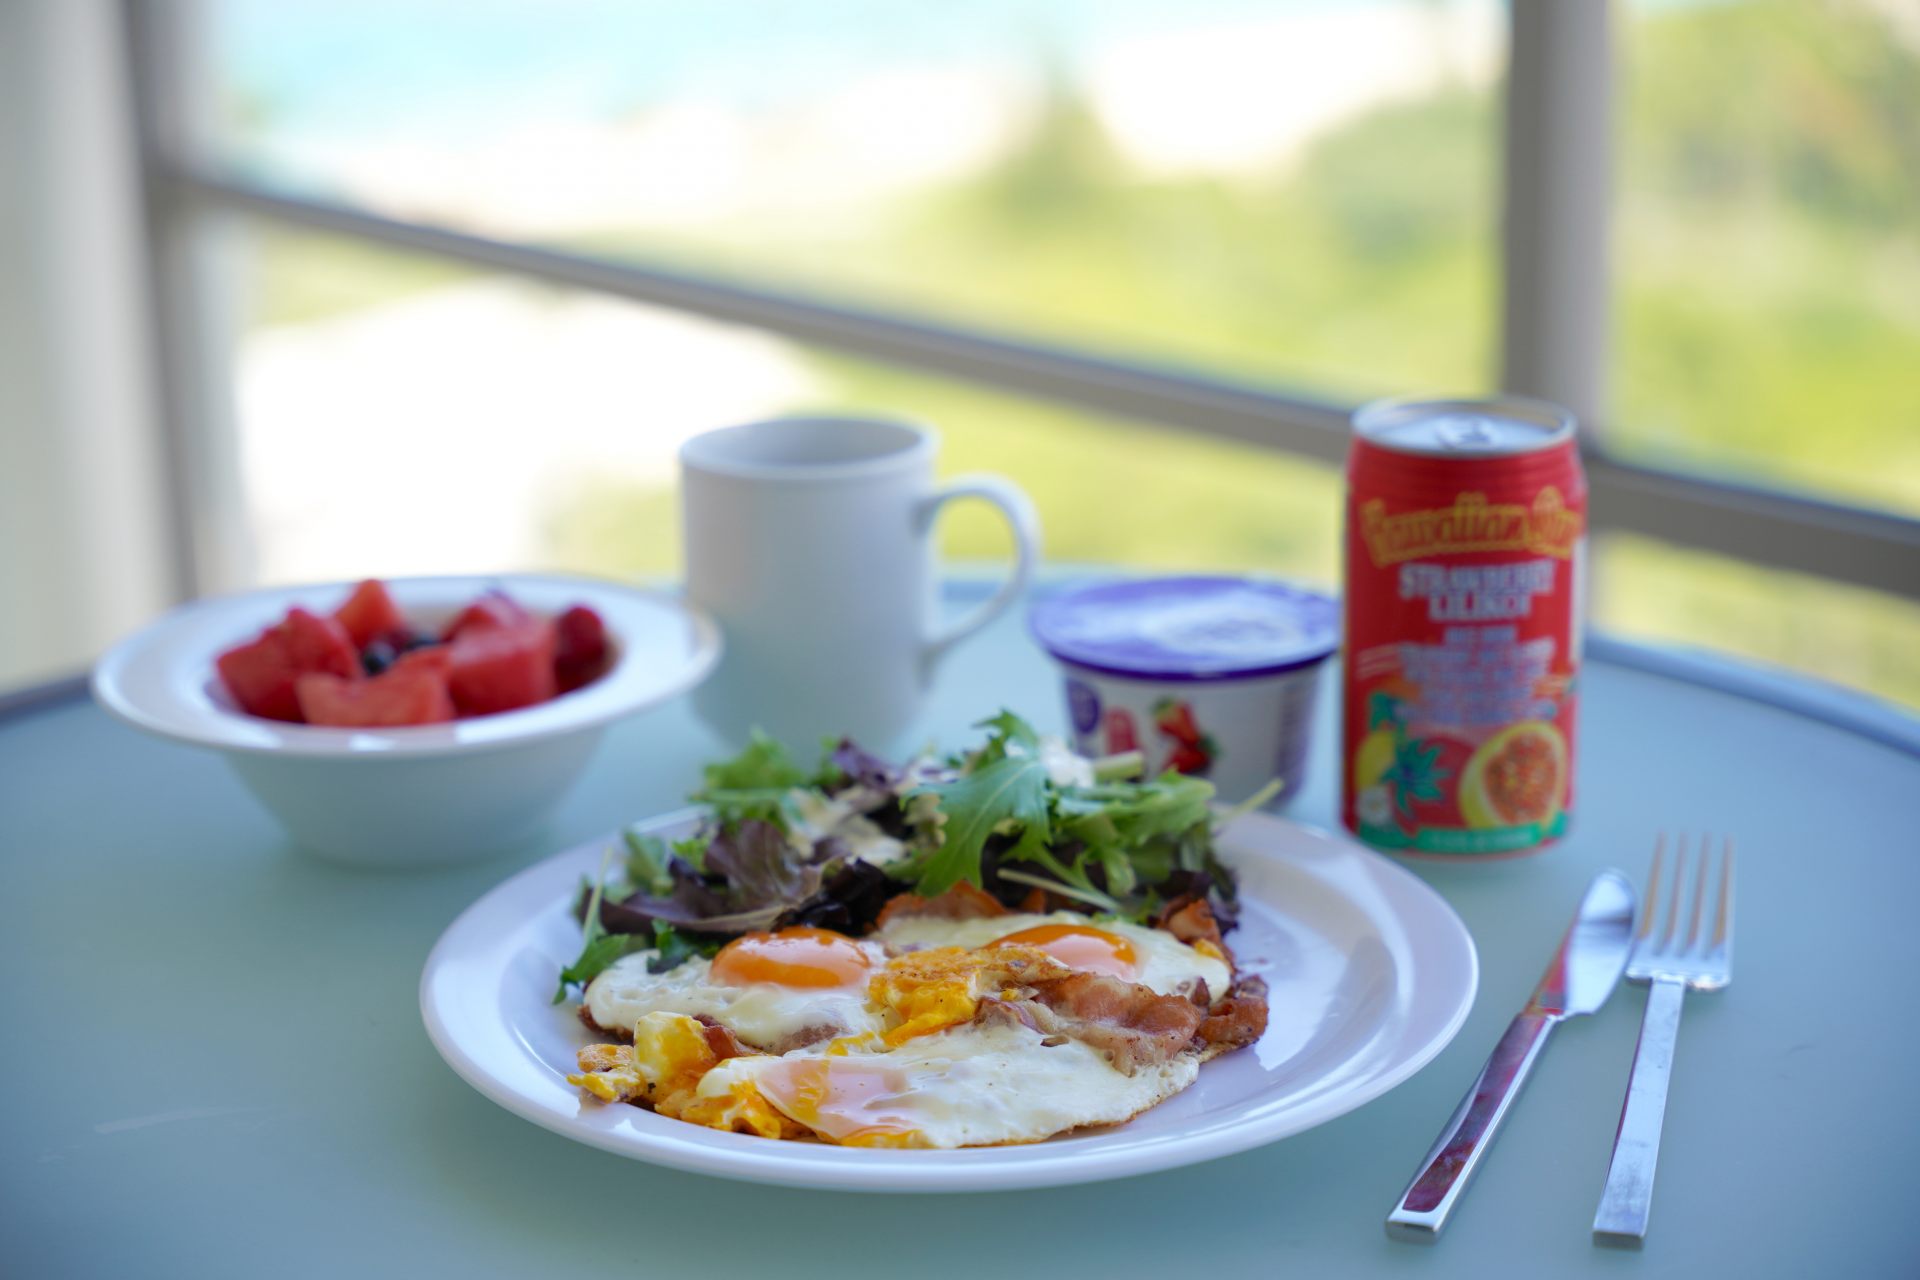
427	795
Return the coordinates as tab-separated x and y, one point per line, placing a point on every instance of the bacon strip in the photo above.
1237	1020
962	902
1193	922
1133	1025
722	1041
1006	1013
586	1019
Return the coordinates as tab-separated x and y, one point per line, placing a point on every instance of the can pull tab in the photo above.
1466	432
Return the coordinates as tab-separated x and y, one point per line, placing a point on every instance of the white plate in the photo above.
1370	973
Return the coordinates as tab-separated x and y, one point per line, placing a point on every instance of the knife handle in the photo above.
1462	1145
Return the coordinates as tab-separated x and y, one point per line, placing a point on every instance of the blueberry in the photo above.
377	656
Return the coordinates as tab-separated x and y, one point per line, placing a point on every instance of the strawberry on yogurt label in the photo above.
1213	677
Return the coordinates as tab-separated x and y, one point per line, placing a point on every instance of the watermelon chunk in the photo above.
399	696
261	673
580	650
432	657
499	668
370	613
492	609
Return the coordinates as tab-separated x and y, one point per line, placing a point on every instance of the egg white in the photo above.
1166	965
761	1014
969	1086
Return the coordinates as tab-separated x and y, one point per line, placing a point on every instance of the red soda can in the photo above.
1465	574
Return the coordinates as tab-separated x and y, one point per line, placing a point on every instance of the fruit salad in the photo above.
366	665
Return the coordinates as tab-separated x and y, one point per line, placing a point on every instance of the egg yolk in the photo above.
796	957
844	1100
1079	946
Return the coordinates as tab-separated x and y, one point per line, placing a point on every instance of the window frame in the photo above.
1555	292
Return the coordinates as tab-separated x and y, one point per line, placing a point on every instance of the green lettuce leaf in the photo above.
763	765
647	858
753	783
676	948
600	954
596	956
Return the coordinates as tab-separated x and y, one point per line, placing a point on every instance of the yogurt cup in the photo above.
1210	676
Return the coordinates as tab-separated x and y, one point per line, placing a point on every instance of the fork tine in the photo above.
1723	918
1679	890
1699	896
1652	904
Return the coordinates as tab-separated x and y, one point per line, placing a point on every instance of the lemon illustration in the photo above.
1373	759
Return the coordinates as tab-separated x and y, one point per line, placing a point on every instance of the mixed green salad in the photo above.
781	845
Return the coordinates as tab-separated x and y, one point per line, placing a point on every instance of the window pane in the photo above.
400	417
1768	243
1653	591
1298	190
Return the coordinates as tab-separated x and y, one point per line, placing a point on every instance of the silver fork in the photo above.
1670	965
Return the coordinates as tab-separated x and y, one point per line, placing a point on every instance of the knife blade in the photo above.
1582	974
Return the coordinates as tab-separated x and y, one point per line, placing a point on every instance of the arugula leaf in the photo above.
1091	897
1008	730
1010	789
1069	878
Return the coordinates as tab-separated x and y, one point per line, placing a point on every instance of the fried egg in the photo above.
931	1032
968	1086
772	990
1153	958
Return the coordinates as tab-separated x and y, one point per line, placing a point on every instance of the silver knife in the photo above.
1583	973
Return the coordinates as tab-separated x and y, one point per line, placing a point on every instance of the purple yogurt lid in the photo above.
1187	628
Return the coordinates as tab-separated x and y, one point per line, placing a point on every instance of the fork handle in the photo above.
1624	1205
1456	1155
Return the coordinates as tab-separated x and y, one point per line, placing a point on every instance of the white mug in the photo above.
811	541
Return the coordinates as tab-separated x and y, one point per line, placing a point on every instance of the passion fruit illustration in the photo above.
1516	777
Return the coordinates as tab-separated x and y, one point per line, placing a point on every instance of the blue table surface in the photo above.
215	1064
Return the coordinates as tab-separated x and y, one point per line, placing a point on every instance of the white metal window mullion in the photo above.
1556	204
192	254
1556	306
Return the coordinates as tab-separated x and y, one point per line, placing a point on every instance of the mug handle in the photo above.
1022	521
